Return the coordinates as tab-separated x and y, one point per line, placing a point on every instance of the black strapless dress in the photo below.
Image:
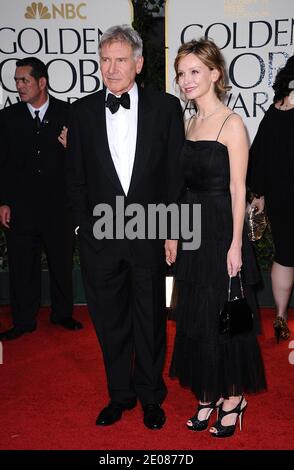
210	364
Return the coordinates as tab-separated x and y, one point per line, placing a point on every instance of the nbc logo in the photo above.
67	11
37	10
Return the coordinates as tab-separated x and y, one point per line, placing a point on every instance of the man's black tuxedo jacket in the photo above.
156	176
32	183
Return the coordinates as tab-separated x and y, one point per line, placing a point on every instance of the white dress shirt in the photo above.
42	109
122	137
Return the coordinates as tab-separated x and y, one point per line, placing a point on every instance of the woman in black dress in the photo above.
272	179
219	369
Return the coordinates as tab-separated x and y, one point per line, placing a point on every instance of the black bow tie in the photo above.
113	102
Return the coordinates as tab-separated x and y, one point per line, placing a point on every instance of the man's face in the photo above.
30	90
118	66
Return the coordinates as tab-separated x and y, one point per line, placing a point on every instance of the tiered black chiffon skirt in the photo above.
210	364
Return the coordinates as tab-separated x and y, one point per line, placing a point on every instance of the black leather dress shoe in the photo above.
68	323
113	412
154	416
15	332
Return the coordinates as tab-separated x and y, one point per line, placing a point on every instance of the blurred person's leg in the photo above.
59	245
282	285
24	262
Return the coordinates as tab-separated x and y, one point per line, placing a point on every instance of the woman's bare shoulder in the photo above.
233	120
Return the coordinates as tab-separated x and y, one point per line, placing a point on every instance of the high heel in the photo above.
227	431
281	328
201	425
277	329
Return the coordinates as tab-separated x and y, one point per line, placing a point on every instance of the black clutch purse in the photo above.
235	317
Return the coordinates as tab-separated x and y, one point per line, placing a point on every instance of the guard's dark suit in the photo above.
32	167
124	279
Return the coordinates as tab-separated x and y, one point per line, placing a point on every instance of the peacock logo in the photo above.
37	10
66	11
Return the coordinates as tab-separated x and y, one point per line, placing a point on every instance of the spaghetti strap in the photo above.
223	125
188	124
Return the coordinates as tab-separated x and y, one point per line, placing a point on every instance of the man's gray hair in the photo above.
124	33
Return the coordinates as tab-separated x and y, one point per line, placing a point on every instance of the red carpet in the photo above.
52	386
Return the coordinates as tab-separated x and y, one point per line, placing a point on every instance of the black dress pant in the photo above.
24	261
127	306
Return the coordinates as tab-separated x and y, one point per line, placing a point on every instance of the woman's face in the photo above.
195	79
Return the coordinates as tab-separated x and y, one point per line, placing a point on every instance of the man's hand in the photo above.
63	136
5	216
170	247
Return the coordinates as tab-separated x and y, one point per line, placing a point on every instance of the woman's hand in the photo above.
63	136
258	203
171	247
234	260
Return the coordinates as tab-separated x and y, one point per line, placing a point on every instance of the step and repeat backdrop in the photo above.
255	36
64	35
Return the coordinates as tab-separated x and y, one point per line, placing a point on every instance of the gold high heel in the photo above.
281	328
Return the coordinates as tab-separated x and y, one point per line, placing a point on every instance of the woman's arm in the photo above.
237	144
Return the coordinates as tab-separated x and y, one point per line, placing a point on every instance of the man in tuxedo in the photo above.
33	201
125	141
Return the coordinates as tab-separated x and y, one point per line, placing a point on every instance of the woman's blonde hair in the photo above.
208	52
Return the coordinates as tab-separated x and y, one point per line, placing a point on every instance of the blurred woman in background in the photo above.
271	179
